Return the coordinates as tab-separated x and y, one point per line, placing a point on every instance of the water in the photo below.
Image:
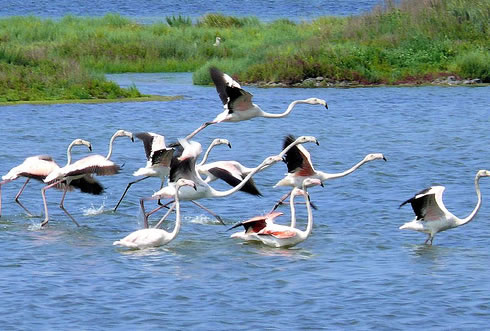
148	11
356	271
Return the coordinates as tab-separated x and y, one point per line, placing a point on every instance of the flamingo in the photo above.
232	172
158	158
237	102
154	237
300	167
36	167
82	170
185	167
253	225
217	42
276	235
431	216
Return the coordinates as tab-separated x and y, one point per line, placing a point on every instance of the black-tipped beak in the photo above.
195	187
326	106
132	138
317	143
229	145
384	158
321	184
90	147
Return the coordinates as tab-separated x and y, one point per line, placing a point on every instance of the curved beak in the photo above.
321	184
326	105
132	138
317	143
90	147
194	186
229	145
384	158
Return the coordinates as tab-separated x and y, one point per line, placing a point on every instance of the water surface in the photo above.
356	271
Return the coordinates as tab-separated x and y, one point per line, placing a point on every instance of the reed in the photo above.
412	41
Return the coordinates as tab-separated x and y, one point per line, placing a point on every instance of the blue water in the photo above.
153	10
356	271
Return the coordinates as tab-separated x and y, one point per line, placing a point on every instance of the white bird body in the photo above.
38	167
238	105
300	167
154	146
154	237
431	216
82	171
253	226
276	235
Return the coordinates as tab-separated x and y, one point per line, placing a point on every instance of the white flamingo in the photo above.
237	102
83	170
154	237
276	235
185	167
431	216
36	167
300	167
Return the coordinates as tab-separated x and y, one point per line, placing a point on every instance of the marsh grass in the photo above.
409	42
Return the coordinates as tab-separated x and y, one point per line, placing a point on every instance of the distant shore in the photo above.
441	42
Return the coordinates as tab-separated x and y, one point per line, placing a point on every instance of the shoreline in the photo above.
146	98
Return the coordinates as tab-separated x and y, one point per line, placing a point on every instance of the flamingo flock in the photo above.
183	178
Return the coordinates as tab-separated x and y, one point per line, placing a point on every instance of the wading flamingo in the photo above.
154	237
431	216
83	169
36	167
300	167
276	235
185	167
253	226
237	102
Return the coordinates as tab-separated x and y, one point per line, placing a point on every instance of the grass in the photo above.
43	59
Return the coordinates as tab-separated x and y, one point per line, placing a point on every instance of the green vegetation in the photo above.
416	41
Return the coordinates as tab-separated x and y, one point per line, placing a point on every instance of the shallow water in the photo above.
148	11
357	270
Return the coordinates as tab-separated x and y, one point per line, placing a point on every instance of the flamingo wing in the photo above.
93	164
151	142
162	157
88	184
234	179
297	159
230	92
253	225
279	234
427	204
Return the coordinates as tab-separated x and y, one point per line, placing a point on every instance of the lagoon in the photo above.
356	271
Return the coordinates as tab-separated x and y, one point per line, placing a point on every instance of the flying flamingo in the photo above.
154	237
82	170
158	158
36	167
300	167
185	167
431	216
233	172
237	102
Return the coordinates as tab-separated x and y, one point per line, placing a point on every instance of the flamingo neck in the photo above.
206	155
472	215
68	153
309	226
325	176
219	194
286	113
176	229
109	154
293	210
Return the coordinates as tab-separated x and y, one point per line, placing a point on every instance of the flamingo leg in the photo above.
126	190
202	127
63	207
146	215
281	201
18	195
43	193
165	216
209	211
429	240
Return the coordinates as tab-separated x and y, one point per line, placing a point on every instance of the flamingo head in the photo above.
374	156
317	101
270	161
121	133
483	173
185	182
220	141
307	139
83	142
